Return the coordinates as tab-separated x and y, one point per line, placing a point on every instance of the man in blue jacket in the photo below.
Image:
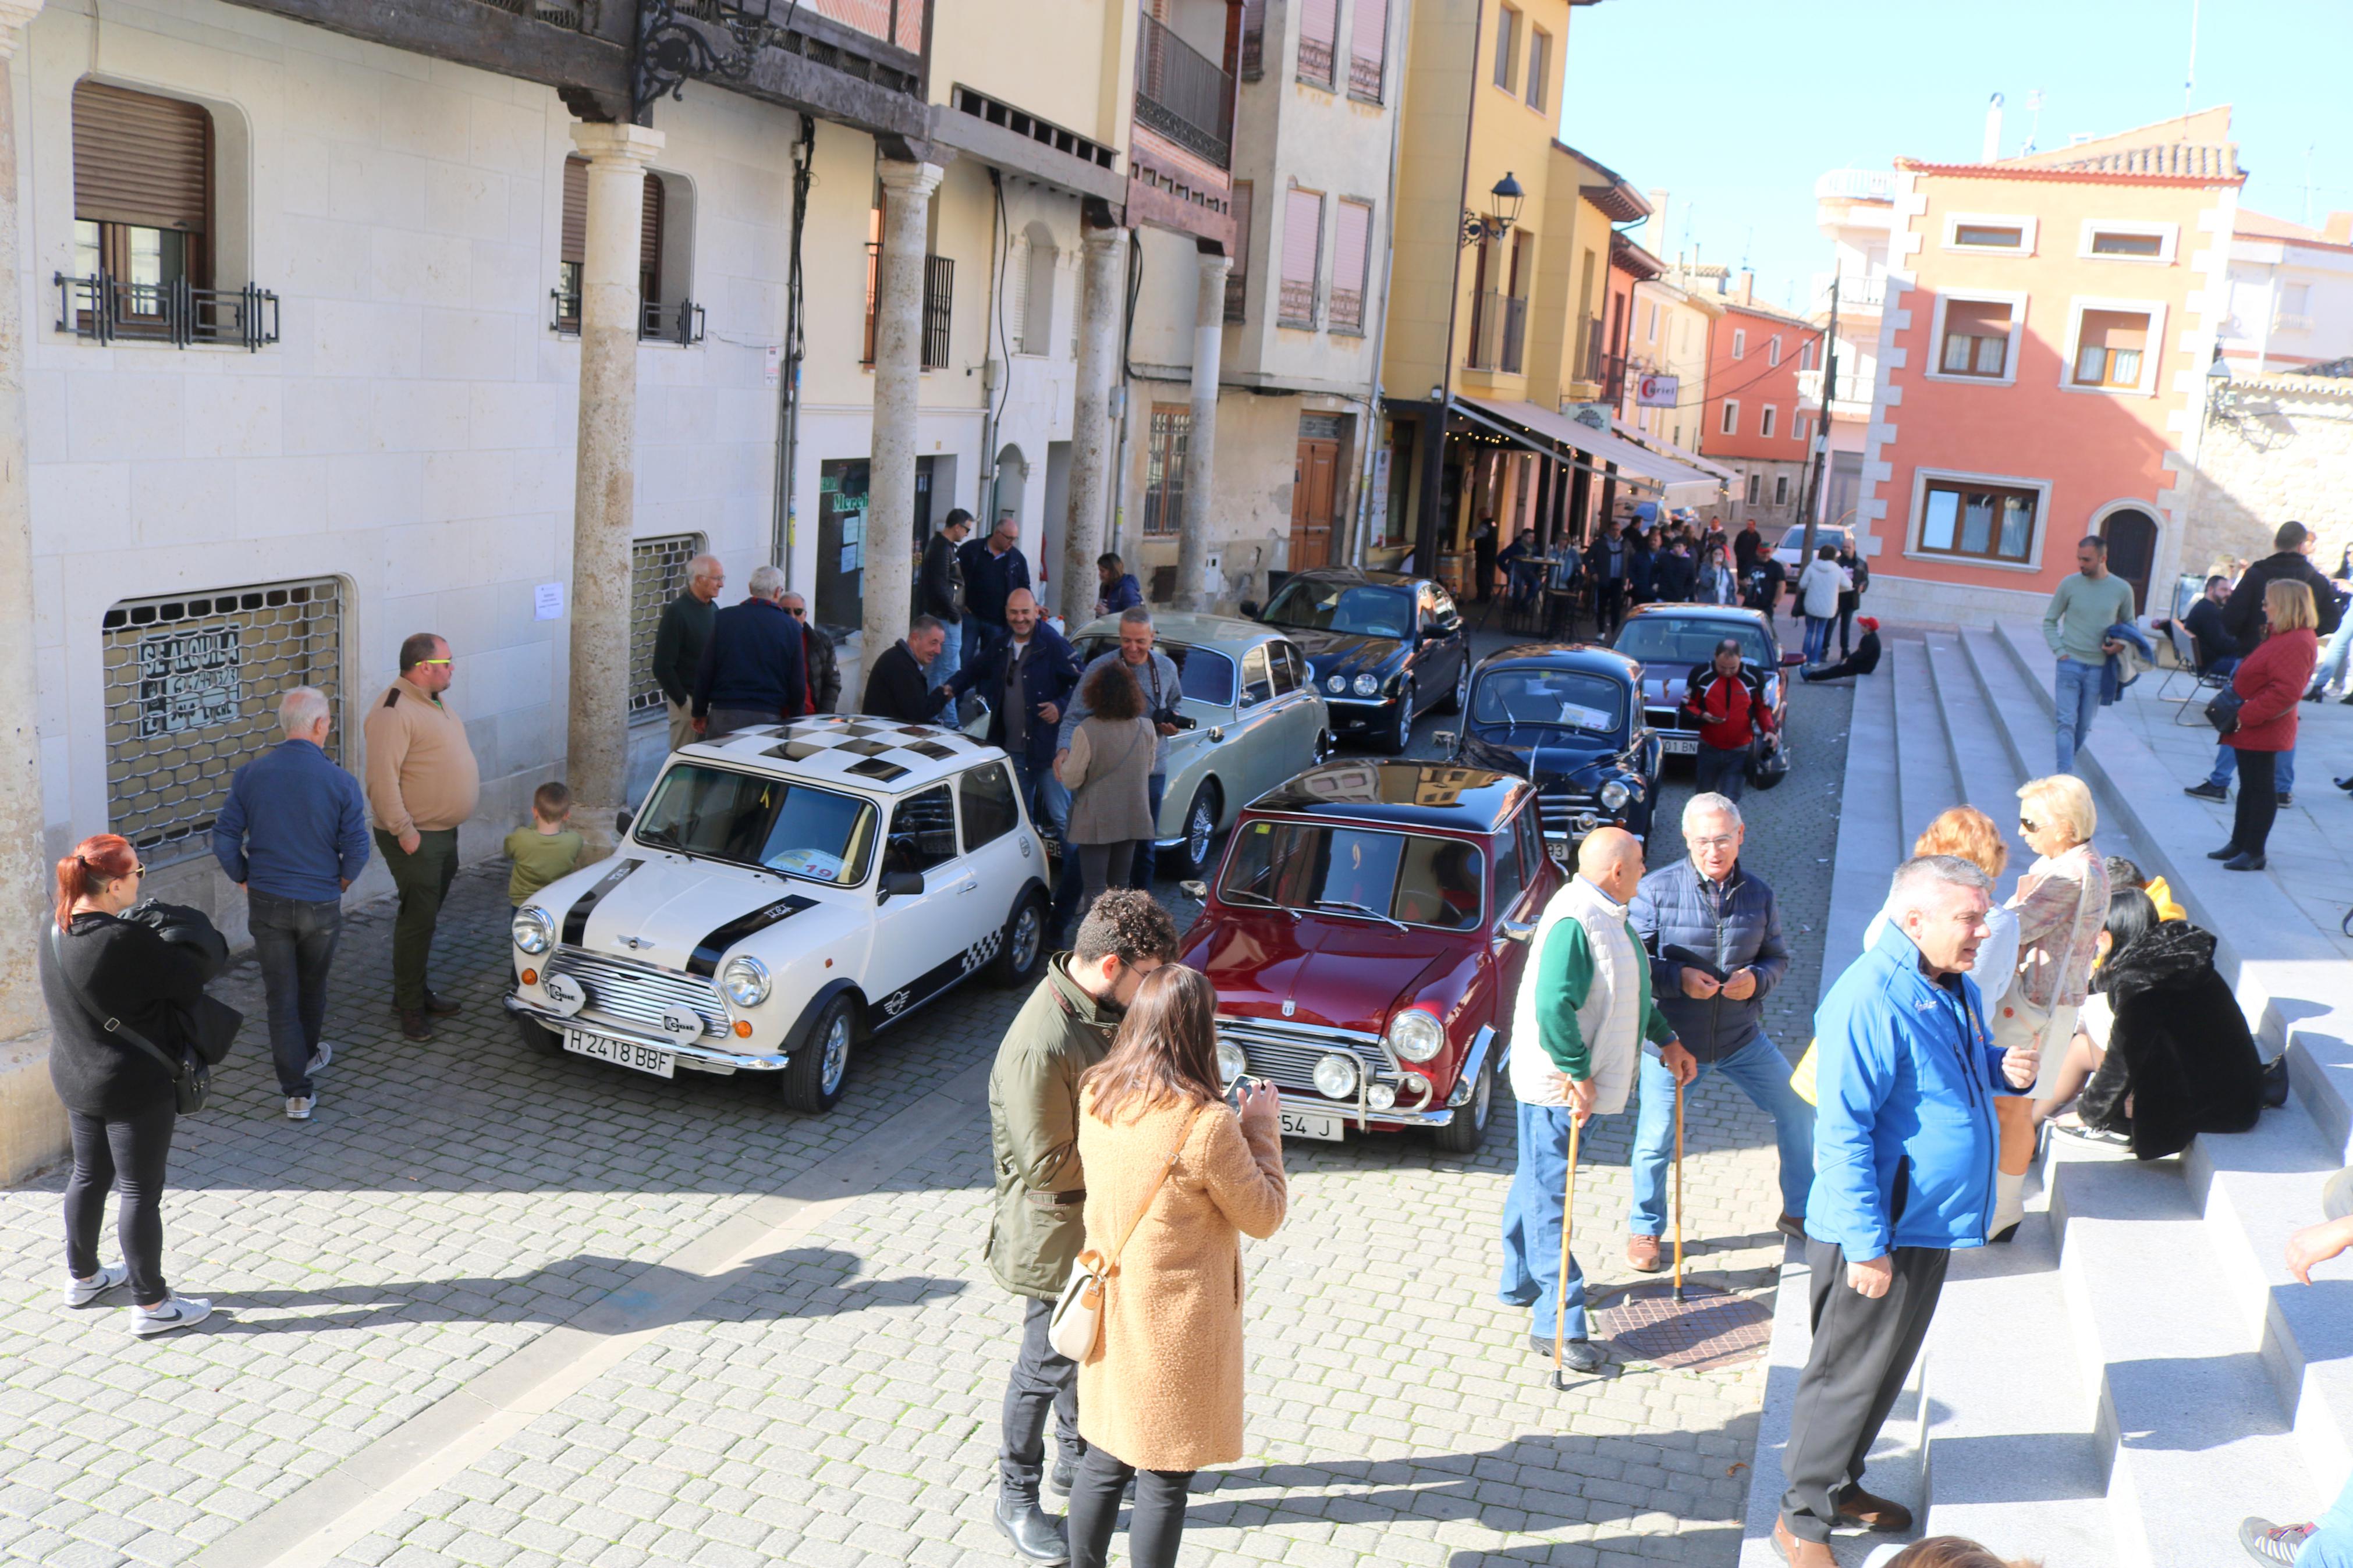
1713	930
754	670
294	833
1028	681
1906	1072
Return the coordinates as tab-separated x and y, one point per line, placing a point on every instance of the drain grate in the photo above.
1709	1329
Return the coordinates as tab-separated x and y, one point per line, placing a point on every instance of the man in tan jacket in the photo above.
422	782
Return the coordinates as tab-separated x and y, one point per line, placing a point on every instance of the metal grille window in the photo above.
192	689
1164	474
939	305
657	576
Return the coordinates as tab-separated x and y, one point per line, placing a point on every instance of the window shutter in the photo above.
1370	33
139	159
1975	318
1319	22
1016	300
1303	235
1350	244
650	239
2114	330
575	248
1238	280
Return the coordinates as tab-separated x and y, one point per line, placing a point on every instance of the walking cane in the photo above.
1679	1189
1560	1290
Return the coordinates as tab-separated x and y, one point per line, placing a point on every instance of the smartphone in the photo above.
1240	1089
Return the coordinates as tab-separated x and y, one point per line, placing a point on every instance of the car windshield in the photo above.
1357	608
1559	699
1671	643
794	829
1206	673
1793	543
1310	865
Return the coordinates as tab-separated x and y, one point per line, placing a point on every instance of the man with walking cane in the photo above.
1584	1009
1906	1073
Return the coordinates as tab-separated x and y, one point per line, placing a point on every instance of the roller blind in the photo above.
1975	318
2126	329
1355	229
1368	36
1303	233
1241	203
140	159
575	248
1319	22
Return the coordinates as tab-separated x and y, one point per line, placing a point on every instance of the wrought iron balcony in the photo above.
106	310
1499	325
939	305
1182	94
1365	77
680	323
572	16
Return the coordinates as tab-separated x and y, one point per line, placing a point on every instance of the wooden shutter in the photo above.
1368	36
575	248
1303	236
1319	22
140	159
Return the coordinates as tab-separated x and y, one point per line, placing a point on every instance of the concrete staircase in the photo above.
2137	1370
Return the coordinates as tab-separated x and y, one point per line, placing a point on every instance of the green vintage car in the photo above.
1257	720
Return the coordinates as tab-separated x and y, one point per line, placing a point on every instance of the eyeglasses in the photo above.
1720	841
800	614
436	661
2028	825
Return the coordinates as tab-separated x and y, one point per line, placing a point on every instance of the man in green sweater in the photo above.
1580	1021
2076	626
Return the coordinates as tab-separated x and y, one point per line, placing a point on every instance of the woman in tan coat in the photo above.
1108	771
1174	1178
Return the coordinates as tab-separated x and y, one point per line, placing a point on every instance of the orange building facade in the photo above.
1754	423
2049	322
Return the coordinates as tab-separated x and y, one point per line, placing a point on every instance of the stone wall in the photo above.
2279	447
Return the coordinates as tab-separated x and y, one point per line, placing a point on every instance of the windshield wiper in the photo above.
661	839
1360	908
1231	894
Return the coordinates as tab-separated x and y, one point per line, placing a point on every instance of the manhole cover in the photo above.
1706	1329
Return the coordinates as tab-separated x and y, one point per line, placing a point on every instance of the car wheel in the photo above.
1022	948
812	1081
1460	695
1400	731
1200	828
1469	1128
538	1035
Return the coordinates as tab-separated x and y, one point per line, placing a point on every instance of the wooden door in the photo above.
2132	550
1313	490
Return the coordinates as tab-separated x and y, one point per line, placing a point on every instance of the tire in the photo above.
1460	697
813	1080
538	1035
1400	731
1192	854
1469	1128
1022	948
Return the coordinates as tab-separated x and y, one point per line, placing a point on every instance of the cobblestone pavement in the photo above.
492	1307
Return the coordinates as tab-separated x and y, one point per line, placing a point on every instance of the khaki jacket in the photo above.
1038	1226
421	773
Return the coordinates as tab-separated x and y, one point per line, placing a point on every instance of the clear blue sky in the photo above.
1736	107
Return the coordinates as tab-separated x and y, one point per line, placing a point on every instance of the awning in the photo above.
1634	463
1642	437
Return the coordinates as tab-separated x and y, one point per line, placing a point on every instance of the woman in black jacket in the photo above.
120	1101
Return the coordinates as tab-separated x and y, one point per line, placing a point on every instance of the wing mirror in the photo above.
1196	892
621	820
1249	608
1517	930
909	884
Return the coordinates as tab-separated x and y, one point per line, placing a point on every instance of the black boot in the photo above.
1037	1535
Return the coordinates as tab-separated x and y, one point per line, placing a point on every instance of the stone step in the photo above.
1982	763
1870	842
1925	781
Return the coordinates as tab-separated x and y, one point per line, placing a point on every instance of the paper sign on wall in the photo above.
547	602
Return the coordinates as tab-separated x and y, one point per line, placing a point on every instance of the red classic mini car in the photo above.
1366	932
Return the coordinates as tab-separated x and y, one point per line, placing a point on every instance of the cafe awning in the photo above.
1543	430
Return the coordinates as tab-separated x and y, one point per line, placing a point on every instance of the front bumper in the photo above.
693	1056
1359	1111
1353	713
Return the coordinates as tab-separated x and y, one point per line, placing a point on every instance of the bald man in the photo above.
1583	1015
679	641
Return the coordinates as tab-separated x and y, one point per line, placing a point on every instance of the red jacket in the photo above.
2272	680
1729	708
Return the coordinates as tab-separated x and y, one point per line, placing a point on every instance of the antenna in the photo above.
2034	126
2307	185
2189	83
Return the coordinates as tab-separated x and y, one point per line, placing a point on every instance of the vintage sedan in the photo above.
785	892
1567	717
1256	721
1671	640
1383	648
1366	932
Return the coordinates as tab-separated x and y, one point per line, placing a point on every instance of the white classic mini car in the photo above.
785	893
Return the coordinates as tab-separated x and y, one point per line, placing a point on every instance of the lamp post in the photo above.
1503	212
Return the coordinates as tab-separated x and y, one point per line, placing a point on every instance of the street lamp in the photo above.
2218	396
1503	212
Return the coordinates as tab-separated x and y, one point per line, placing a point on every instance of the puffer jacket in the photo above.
2178	1050
1735	924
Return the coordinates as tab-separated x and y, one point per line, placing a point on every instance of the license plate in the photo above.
621	1053
1307	1124
1680	745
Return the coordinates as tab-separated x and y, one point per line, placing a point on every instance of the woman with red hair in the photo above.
106	978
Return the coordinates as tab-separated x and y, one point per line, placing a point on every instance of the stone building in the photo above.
2273	449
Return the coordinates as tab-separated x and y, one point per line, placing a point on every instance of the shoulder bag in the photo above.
2222	712
1077	1323
192	1079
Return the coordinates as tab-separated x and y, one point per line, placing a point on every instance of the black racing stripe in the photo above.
576	919
712	947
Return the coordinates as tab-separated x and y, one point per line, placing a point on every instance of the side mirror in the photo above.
1196	892
909	884
1249	608
1517	930
1445	739
621	820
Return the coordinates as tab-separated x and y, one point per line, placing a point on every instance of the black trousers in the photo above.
1155	1524
294	938
131	1154
1863	1350
1841	671
2258	808
1609	605
1041	1381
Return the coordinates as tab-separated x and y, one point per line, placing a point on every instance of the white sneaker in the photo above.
172	1312
83	1292
298	1107
322	1055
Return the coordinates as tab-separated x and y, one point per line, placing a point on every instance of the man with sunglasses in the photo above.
422	782
817	659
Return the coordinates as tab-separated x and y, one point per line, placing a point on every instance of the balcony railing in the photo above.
1856	185
1365	75
1295	305
939	305
106	310
1182	94
1857	291
1347	310
679	322
572	16
1590	360
1613	378
1498	332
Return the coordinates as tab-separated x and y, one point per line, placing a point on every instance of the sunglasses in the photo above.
2028	825
799	615
436	661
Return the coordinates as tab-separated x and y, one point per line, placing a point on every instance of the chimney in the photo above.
1993	130
1747	286
2338	229
1655	231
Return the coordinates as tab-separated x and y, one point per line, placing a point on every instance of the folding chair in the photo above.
2185	650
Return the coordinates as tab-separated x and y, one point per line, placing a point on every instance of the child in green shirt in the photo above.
546	850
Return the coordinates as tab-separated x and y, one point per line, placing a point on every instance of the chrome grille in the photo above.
1286	1054
626	992
1671	718
1559	810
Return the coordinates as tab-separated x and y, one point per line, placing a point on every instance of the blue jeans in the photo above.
1147	859
2078	700
1531	1225
2226	763
2334	653
1818	638
1763	1075
2331	1546
1042	794
294	941
950	663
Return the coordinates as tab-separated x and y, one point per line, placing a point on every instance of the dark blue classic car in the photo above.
1381	647
1567	717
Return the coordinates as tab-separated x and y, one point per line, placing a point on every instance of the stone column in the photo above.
32	1124
1201	435
1093	445
604	501
889	579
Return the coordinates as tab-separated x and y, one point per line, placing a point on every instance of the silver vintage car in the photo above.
1256	721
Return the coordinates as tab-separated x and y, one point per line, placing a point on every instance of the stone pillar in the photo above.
1093	449
889	569
1202	436
604	502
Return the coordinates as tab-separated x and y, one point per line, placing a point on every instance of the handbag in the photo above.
2222	712
191	1077
1077	1323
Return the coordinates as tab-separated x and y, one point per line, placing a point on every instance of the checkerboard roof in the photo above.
854	750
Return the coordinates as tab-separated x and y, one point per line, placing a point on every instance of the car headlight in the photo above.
1368	684
745	981
1336	685
1336	1077
1615	795
1380	1097
534	933
1231	1062
1415	1036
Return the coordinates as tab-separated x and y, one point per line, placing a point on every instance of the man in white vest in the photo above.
1583	1016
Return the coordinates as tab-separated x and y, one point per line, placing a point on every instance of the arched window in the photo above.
1037	291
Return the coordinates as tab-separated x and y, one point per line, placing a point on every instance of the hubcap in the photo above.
1198	831
1027	929
836	1054
1482	1097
